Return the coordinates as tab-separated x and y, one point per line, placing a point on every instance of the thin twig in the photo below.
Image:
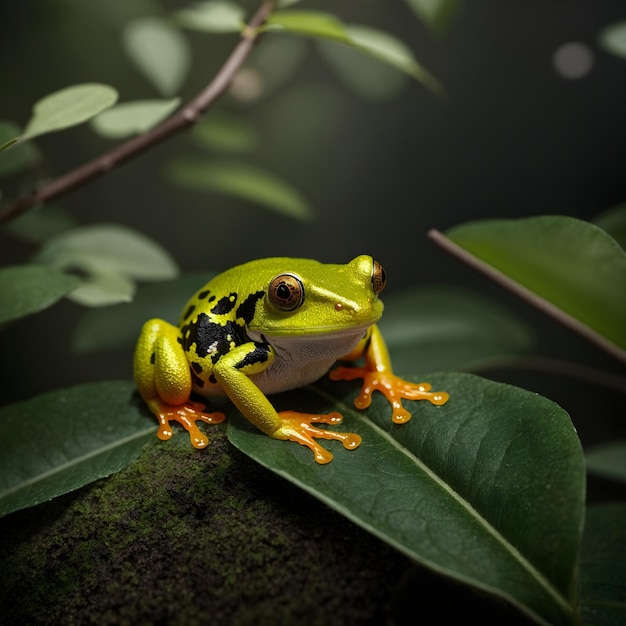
184	118
526	294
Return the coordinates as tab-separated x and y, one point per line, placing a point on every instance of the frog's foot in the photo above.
298	427
393	387
185	414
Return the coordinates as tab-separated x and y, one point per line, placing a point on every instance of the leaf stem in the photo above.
187	116
526	294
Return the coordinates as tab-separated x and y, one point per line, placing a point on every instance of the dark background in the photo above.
513	138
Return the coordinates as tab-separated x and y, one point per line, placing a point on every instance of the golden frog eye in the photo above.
379	279
286	292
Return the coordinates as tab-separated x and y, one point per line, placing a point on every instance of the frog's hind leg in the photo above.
163	379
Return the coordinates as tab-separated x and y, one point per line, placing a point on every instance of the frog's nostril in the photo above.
338	306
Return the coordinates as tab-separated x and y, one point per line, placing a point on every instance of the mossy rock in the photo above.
184	536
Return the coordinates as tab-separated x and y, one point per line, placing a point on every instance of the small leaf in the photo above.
28	289
613	221
112	248
8	143
442	328
62	440
226	132
212	17
133	118
569	263
69	107
608	460
488	489
20	157
613	39
392	51
436	14
309	23
365	75
241	181
603	566
160	51
370	41
101	286
119	326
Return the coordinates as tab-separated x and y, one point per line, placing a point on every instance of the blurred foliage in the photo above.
356	129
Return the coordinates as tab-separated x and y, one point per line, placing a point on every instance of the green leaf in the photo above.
309	23
21	157
69	107
603	566
488	489
392	51
436	14
613	221
608	460
212	17
133	118
226	132
613	39
27	289
111	247
573	265
242	181
365	75
443	328
101	286
119	326
62	440
160	51
370	41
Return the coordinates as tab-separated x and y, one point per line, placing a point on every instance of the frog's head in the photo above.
306	297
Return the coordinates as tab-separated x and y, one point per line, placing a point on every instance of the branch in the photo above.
187	116
526	294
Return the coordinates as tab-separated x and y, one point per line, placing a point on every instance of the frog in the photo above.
264	327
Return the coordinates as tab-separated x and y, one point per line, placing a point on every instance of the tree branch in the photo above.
526	294
187	116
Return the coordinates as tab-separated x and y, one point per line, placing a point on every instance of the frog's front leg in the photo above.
232	371
377	375
163	379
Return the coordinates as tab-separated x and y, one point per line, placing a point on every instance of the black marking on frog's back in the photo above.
247	308
210	337
189	311
225	305
260	354
203	294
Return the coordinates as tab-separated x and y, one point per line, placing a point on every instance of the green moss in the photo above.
192	537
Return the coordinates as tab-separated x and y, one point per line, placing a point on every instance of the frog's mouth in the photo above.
316	332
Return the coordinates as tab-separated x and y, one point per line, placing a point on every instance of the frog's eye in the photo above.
286	292
379	279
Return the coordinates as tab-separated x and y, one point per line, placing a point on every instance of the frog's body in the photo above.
268	326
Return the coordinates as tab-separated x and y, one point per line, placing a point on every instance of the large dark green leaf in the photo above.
613	220
119	326
28	289
488	488
603	566
443	328
65	439
570	264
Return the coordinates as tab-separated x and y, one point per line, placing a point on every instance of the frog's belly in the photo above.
298	362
